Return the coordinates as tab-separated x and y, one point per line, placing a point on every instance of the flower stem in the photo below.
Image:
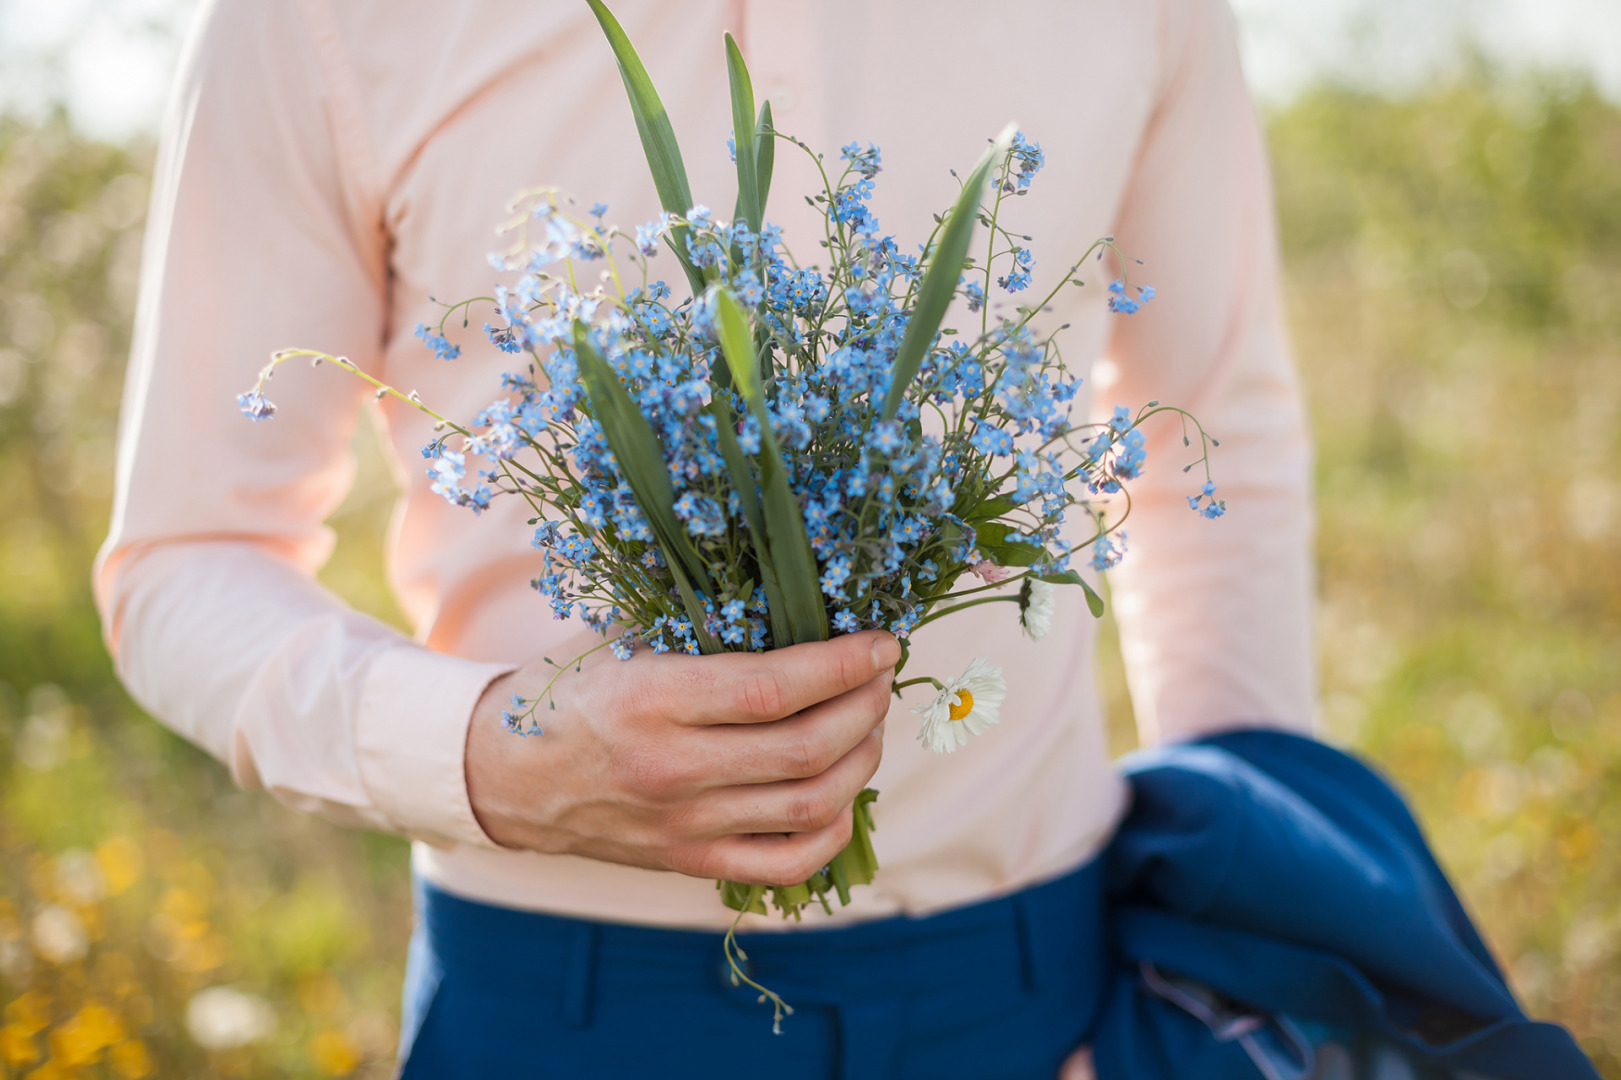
942	613
734	952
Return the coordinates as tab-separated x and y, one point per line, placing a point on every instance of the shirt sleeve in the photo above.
1215	616
264	233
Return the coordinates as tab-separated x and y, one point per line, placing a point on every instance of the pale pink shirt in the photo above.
329	166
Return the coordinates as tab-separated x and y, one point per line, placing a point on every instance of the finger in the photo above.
773	859
801	746
748	688
790	806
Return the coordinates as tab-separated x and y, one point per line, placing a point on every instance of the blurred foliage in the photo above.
1454	273
1455	286
133	875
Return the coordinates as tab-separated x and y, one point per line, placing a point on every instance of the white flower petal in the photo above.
983	680
1037	616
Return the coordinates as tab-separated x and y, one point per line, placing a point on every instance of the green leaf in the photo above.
695	607
857	863
1016	553
940	282
749	203
785	527
1094	602
1004	545
841	878
992	533
658	137
737	467
740	897
742	477
640	458
990	508
765	154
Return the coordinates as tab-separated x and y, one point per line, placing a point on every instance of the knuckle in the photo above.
690	682
664	691
851	665
626	703
874	744
877	701
693	860
763	695
683	820
804	757
883	691
809	813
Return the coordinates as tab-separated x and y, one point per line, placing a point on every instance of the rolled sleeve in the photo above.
411	737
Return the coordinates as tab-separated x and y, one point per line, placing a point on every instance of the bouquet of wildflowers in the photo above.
788	452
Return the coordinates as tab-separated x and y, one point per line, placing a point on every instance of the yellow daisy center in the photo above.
964	706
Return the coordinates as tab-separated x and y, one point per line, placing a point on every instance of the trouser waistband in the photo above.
1045	935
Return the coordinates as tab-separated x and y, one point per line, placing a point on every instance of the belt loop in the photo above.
579	975
1027	945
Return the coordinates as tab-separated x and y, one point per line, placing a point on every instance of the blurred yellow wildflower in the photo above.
131	1060
334	1054
121	863
17	1046
81	1040
29	1013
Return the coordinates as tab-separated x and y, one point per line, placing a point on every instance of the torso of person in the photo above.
332	175
501	95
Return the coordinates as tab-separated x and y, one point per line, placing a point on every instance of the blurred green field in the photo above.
1455	288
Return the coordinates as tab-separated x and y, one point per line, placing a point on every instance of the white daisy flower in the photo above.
1036	602
965	706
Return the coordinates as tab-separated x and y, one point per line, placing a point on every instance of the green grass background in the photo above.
1454	268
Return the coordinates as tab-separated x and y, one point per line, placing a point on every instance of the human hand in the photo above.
740	766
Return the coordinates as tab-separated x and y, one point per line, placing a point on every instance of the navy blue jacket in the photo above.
1271	895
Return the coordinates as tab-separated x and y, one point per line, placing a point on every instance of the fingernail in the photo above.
886	651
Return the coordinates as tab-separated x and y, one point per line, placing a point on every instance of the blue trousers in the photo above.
1001	990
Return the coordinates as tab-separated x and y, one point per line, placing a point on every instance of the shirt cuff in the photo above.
411	742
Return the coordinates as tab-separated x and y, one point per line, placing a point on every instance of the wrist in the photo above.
485	762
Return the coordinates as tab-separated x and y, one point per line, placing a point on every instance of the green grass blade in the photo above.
636	447
658	137
765	155
945	270
695	608
749	203
742	477
785	527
